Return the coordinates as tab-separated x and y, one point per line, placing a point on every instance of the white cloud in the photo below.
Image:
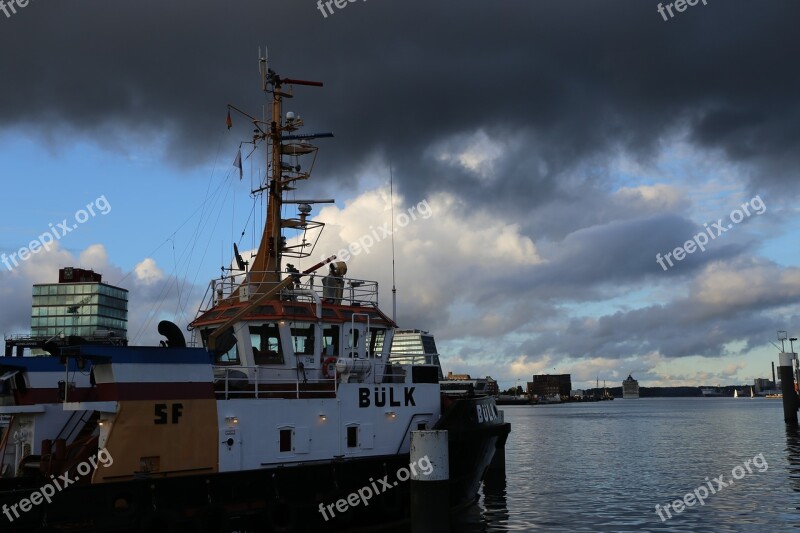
152	295
148	272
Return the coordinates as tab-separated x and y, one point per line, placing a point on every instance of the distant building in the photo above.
413	342
548	385
465	383
492	388
79	304
764	386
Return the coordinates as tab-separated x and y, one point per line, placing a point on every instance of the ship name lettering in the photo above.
378	397
485	413
161	413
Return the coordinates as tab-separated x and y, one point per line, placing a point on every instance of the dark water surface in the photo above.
604	466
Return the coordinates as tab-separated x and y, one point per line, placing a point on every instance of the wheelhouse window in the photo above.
231	356
266	342
303	338
330	341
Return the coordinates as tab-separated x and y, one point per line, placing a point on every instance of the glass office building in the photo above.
414	342
79	304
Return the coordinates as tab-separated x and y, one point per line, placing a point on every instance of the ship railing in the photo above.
260	382
337	290
255	381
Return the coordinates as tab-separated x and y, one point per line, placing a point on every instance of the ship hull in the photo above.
297	497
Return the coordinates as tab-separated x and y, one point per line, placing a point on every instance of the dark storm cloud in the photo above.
570	80
562	87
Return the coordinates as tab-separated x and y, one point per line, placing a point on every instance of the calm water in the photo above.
604	466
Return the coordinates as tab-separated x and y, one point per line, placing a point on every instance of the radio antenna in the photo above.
394	287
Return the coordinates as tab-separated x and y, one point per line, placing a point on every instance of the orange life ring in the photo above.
329	367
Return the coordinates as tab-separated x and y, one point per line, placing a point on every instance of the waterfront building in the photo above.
550	385
413	342
79	304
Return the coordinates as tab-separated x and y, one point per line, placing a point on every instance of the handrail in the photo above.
67	423
358	291
292	384
4	445
407	433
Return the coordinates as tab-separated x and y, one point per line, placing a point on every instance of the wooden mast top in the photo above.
266	268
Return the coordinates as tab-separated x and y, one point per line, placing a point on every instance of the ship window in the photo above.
286	440
422	426
353	342
330	341
210	315
231	357
266	343
303	339
296	310
150	464
352	436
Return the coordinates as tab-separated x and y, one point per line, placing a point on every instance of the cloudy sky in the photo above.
555	148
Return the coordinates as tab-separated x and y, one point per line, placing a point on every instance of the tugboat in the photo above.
286	400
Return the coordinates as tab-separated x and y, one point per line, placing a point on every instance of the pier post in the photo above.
787	386
430	493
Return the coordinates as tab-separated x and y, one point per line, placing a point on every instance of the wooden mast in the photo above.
267	263
266	267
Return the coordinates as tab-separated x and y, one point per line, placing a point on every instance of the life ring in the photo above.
329	367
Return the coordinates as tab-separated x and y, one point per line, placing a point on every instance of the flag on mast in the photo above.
228	121
238	163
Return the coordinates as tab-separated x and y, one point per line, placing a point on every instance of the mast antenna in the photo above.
262	67
391	203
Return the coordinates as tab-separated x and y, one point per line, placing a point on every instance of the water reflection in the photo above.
491	514
793	455
494	500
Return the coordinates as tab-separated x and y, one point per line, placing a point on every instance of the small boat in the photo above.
549	399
